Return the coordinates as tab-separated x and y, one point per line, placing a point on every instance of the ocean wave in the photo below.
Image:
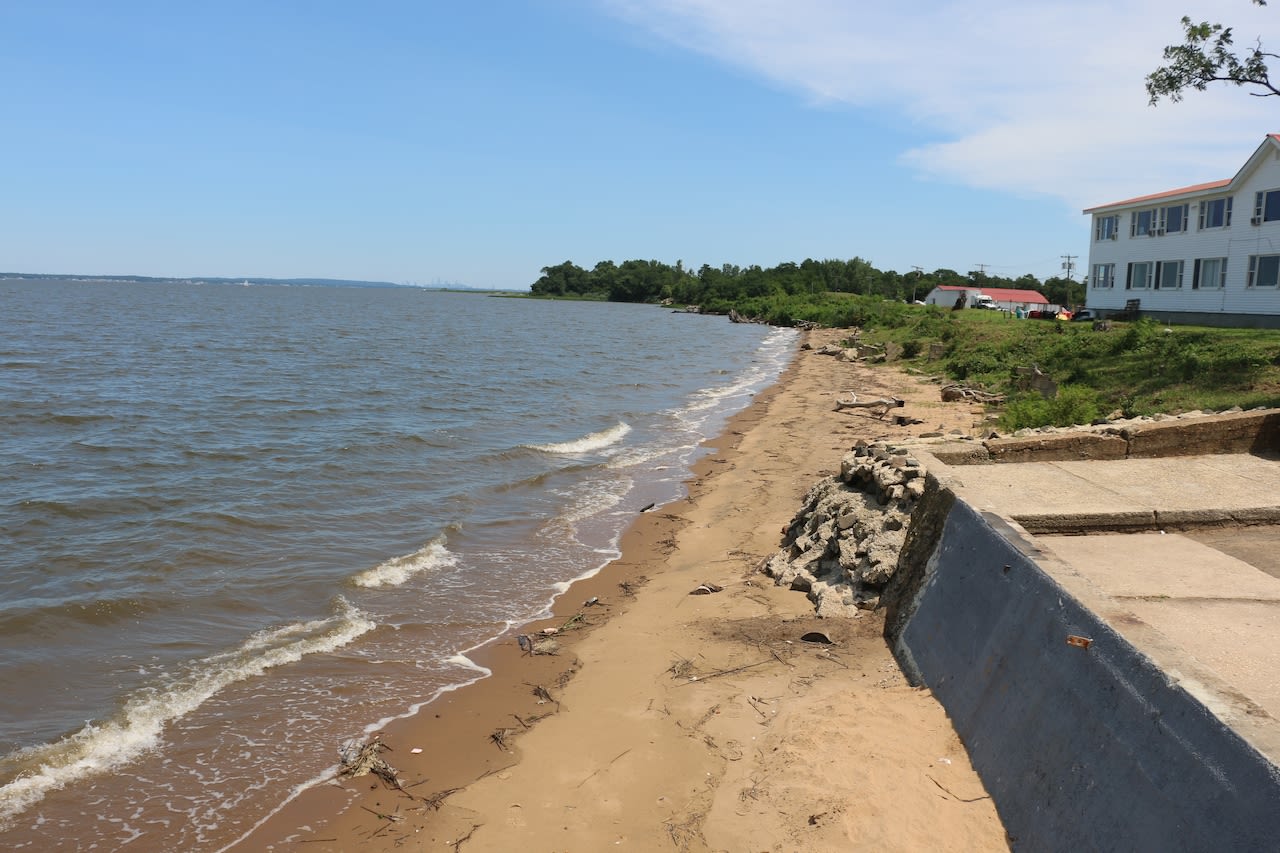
397	570
137	727
588	443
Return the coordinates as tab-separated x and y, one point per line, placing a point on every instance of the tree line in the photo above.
727	286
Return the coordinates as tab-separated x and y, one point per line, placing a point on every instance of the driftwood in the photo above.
880	406
957	392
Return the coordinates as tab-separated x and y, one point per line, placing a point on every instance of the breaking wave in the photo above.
397	570
588	443
137	727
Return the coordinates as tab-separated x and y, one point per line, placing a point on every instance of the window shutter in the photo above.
1195	275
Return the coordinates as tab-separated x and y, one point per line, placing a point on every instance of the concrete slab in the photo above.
1131	492
1221	610
1236	639
1155	565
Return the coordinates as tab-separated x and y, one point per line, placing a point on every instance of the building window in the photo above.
1209	274
1215	213
1106	227
1140	275
1104	275
1264	270
1142	223
1172	220
1266	207
1169	275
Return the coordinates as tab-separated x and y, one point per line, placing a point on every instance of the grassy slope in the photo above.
1138	368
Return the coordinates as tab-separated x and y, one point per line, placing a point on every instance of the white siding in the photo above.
1236	243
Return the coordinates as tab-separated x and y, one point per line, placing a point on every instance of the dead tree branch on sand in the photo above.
879	406
957	392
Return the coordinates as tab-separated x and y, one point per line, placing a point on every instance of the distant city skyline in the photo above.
473	145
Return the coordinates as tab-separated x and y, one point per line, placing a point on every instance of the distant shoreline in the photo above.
243	280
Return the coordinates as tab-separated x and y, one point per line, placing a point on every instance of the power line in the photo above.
1068	263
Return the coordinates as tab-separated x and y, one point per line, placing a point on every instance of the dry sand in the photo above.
689	722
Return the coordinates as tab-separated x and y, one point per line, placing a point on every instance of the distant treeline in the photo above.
731	286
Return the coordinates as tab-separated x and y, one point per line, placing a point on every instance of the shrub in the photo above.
1074	404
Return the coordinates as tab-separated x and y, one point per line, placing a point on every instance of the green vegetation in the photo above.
1205	56
810	290
1137	368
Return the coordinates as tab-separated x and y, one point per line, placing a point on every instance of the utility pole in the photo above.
1068	264
916	282
982	268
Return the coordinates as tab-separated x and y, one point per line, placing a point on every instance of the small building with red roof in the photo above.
1208	253
1004	298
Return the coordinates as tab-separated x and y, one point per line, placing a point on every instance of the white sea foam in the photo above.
397	570
595	498
460	659
588	443
98	748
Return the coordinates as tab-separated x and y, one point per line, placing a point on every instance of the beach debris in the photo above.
629	587
880	406
592	601
573	622
681	668
547	632
543	695
458	842
706	589
417	750
526	643
436	800
499	739
360	759
817	637
956	392
597	770
391	820
647	508
545	646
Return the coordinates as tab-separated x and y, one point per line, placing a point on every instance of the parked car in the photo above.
1084	314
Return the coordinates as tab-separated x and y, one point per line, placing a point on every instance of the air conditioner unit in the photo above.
1257	220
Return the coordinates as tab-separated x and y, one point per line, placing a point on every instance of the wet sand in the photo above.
687	722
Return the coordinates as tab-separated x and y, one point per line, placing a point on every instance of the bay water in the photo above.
245	522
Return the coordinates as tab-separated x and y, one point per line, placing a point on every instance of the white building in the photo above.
1206	254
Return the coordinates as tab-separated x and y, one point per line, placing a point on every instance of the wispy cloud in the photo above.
1035	98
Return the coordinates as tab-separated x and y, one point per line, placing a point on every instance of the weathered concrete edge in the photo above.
1102	748
1256	431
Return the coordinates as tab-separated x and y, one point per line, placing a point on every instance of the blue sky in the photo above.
477	143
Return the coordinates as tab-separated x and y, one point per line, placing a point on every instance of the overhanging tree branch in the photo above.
1205	57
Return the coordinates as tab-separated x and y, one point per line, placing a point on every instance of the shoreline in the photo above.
494	741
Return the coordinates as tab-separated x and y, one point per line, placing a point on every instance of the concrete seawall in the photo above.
1089	746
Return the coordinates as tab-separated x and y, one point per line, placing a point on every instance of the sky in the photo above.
475	143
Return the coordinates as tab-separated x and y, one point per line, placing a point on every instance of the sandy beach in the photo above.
665	720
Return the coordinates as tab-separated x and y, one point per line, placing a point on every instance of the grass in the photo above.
1136	368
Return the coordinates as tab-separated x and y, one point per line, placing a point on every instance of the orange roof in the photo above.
1001	294
1005	294
1194	188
